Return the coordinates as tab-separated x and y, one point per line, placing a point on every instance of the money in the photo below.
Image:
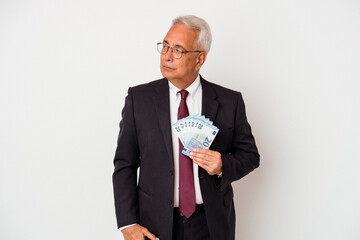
195	131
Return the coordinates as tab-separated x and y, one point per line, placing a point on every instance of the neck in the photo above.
183	83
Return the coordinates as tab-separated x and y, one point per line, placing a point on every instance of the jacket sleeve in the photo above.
126	163
244	156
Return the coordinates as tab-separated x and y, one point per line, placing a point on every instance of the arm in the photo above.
242	159
126	162
244	156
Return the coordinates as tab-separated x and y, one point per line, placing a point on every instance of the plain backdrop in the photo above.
66	65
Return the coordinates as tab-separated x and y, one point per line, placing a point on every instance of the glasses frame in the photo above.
183	52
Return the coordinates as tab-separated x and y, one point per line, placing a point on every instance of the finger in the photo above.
212	164
201	164
150	235
207	168
199	156
204	151
207	159
210	169
207	153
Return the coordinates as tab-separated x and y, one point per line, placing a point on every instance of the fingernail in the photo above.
195	149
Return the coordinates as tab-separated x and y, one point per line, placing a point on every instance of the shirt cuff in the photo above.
122	228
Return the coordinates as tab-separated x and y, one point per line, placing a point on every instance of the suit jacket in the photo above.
145	141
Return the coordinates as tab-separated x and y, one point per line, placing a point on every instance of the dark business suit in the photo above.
145	141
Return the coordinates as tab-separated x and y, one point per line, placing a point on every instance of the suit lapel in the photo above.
162	106
209	103
209	109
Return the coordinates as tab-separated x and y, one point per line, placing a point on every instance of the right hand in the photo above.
137	232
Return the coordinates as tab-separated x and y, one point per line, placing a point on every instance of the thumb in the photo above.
150	235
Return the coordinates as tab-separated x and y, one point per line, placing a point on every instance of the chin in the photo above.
167	74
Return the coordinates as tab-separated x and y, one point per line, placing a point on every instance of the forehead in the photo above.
180	35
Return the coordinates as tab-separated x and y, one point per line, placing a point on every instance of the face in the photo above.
186	68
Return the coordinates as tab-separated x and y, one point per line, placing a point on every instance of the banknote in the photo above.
195	131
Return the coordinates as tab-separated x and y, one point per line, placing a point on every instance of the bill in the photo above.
195	131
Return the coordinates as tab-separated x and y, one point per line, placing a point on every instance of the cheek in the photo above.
162	59
189	63
183	65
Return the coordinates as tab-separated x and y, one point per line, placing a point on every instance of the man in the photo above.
177	197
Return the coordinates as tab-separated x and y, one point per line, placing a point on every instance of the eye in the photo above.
178	50
165	48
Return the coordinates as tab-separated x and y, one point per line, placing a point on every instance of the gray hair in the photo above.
196	23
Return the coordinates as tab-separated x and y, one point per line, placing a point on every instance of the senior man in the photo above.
175	196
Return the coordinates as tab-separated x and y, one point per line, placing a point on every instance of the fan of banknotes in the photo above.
195	131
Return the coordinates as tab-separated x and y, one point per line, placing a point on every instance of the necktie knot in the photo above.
183	94
183	110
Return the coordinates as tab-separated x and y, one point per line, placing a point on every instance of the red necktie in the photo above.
186	175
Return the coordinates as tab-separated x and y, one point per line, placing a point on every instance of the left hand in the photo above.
208	160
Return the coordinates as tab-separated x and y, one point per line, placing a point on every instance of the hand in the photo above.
137	232
208	160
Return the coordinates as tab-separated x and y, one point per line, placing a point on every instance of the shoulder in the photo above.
219	91
149	86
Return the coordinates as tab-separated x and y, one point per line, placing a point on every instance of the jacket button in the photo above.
171	172
170	202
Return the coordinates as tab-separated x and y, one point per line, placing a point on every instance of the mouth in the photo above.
167	68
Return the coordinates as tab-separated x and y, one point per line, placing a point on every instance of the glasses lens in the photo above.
177	53
164	48
161	48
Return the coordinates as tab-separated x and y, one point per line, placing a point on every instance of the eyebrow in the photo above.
177	45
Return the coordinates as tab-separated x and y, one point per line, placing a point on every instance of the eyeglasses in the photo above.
177	52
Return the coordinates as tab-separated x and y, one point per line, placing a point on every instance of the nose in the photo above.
168	55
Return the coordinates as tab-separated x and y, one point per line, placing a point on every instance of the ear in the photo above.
200	59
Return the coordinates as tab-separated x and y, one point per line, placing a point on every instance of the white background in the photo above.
65	67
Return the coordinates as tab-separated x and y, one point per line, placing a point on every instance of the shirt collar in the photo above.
192	89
